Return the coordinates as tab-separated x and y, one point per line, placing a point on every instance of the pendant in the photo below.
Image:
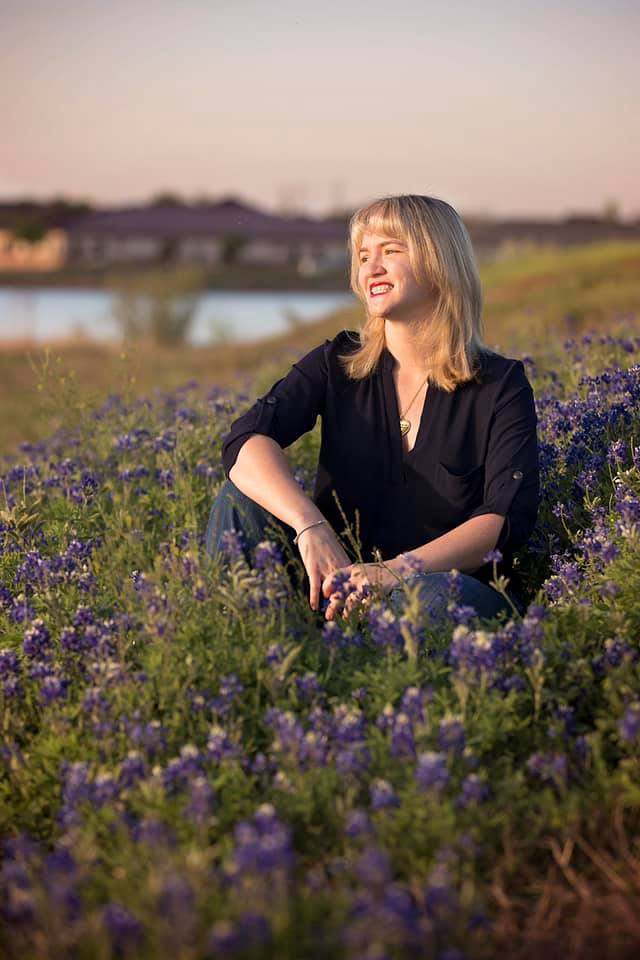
405	426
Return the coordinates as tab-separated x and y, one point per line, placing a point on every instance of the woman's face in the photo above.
387	281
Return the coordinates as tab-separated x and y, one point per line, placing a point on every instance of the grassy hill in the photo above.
534	300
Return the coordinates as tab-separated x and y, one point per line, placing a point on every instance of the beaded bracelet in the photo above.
304	529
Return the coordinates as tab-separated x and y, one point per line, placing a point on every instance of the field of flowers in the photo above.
194	764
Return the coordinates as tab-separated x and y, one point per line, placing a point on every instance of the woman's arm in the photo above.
261	472
463	548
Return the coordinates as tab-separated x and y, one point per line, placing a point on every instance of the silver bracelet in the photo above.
304	529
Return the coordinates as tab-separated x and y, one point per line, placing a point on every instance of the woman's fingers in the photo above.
314	591
333	608
327	585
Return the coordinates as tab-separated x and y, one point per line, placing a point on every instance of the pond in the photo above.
43	314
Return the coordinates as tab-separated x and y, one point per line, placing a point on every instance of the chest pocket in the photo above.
461	492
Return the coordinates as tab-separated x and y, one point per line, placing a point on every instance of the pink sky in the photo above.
500	107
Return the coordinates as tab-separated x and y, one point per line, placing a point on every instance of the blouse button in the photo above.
517	474
273	400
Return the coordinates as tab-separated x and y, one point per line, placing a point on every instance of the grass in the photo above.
152	702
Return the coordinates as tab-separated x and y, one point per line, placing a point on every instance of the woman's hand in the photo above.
352	584
321	554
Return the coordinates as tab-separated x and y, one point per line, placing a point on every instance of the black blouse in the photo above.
476	451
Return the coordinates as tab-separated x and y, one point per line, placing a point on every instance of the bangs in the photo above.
383	217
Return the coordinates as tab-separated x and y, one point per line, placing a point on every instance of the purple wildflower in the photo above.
451	735
431	770
267	555
629	725
382	795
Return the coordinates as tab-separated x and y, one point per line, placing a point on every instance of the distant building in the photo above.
231	232
493	237
211	235
47	254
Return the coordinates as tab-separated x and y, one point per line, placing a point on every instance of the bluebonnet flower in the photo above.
165	442
617	452
413	703
180	769
37	640
474	790
53	688
104	789
472	650
494	556
358	825
440	896
231	689
565	581
267	555
373	867
349	724
125	932
451	735
352	761
60	879
382	795
288	730
333	635
275	654
549	768
462	615
9	664
201	800
313	751
308	686
165	478
176	898
83	617
431	770
154	833
17	900
629	725
403	742
385	627
132	769
263	844
11	688
232	544
151	737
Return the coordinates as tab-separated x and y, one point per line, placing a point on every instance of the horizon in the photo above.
523	112
96	207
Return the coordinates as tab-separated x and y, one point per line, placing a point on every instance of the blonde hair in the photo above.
450	340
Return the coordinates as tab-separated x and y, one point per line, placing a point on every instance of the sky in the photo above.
501	107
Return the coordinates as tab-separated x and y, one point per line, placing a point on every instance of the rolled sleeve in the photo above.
289	409
512	485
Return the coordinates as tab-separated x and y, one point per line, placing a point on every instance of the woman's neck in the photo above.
400	342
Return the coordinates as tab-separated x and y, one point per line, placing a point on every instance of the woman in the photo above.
429	450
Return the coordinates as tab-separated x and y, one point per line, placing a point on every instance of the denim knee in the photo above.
234	510
437	589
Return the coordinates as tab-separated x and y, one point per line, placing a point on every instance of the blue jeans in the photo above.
232	510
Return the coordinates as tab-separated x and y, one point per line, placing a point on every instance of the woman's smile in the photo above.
379	289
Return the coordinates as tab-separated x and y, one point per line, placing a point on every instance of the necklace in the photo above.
405	425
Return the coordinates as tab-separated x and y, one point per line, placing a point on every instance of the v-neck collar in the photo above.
399	456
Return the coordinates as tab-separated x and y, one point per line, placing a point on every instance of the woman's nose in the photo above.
376	266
